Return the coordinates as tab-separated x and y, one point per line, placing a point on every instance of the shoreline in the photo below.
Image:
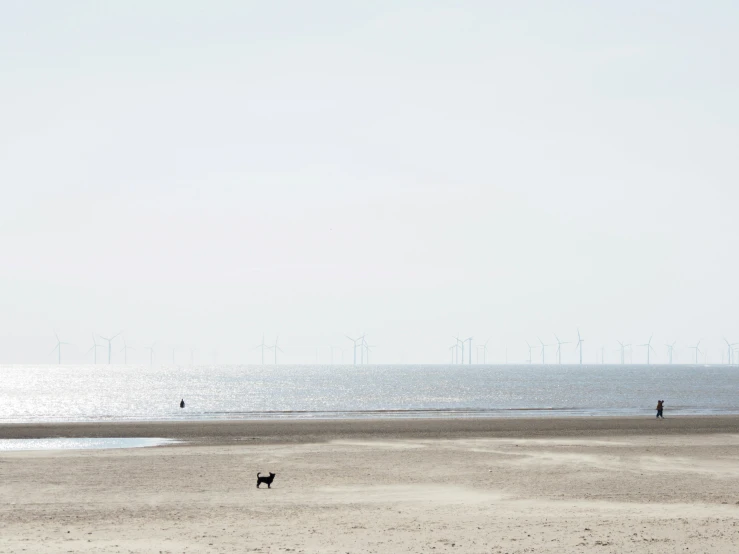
325	430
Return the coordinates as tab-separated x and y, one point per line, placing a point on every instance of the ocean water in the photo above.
120	393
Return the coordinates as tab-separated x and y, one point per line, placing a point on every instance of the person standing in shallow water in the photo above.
660	404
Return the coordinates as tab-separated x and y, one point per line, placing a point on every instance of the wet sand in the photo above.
529	485
276	431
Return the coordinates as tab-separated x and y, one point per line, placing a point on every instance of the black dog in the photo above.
267	480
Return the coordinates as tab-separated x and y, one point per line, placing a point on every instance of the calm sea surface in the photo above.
116	393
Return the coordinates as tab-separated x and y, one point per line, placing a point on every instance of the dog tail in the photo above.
258	474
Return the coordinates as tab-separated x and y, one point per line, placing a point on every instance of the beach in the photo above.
424	485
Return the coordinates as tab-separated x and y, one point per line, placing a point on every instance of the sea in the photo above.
90	393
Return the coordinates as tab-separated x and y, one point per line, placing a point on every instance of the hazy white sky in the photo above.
196	173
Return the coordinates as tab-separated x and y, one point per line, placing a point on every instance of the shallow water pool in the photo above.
14	445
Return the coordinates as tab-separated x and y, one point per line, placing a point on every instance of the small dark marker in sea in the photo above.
182	403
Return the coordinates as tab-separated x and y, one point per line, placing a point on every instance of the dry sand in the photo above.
555	485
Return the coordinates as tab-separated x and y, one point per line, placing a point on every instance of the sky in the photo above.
196	174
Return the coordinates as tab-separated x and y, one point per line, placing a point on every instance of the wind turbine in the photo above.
461	342
697	351
543	350
151	353
361	349
469	350
730	346
357	341
623	347
559	349
368	348
530	349
670	349
276	348
192	356
94	349
484	348
110	341
580	340
649	347
262	346
58	348
125	350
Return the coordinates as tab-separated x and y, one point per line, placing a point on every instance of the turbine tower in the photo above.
648	344
697	351
110	342
151	353
453	348
530	349
368	348
469	350
670	350
276	348
58	348
543	350
94	349
461	343
125	350
484	348
559	349
262	346
623	348
192	356
730	346
357	342
580	340
361	349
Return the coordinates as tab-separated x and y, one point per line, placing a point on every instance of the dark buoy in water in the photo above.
182	403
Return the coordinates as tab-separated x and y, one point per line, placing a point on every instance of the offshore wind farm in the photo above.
334	350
